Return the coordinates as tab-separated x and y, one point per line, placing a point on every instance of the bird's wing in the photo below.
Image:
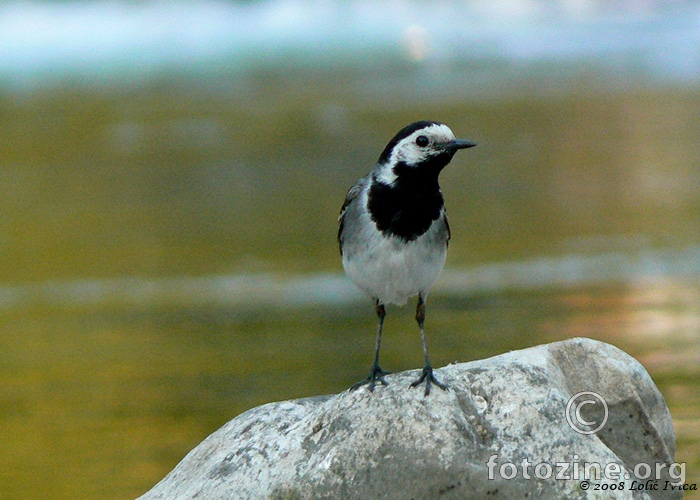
353	193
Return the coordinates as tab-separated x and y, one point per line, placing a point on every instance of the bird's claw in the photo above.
429	379
375	374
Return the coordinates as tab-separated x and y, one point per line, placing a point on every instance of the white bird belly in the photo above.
392	271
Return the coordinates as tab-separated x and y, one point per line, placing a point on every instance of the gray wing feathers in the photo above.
352	195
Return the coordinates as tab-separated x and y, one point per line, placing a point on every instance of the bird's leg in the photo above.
427	374
376	373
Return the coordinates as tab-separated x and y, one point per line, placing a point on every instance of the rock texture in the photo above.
395	443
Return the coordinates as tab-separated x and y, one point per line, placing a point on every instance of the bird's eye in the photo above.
422	141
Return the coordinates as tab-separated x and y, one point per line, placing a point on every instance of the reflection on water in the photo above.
112	398
321	289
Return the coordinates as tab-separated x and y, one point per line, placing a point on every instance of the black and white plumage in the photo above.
393	230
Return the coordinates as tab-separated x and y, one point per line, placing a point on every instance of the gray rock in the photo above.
398	443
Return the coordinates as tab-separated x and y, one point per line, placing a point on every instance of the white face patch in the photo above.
411	153
386	174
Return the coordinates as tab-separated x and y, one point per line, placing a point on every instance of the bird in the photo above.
393	231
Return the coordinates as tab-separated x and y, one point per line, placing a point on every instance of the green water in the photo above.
178	179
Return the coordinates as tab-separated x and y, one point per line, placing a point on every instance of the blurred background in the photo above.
171	174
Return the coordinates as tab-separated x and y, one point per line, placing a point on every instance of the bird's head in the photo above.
424	147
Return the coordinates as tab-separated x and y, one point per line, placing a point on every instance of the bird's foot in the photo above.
375	374
429	379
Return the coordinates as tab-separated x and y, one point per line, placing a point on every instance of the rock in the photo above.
501	416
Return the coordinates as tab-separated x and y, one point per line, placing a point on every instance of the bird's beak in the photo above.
460	144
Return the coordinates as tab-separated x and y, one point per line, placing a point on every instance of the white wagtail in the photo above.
393	231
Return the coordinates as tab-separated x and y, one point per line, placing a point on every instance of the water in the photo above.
106	42
103	403
253	291
171	187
